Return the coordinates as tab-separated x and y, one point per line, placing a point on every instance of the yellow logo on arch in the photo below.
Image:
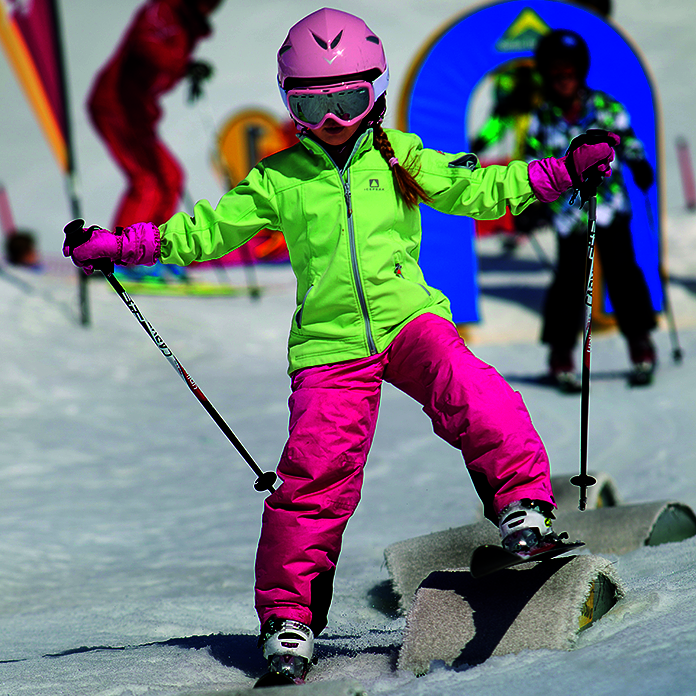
523	33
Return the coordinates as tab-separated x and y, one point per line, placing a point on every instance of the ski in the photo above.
490	558
274	679
179	289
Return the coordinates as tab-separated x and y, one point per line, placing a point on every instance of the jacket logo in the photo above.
373	185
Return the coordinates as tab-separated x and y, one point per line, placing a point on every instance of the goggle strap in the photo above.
380	84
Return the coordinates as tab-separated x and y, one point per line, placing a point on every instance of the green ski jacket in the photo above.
352	241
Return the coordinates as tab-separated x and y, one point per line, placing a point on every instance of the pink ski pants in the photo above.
333	412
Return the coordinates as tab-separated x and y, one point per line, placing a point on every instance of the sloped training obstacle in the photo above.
459	620
606	529
462	621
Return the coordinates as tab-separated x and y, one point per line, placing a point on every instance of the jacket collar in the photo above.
362	145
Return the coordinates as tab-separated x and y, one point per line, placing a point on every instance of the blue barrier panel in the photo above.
438	95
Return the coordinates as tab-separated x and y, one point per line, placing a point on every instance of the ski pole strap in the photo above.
588	186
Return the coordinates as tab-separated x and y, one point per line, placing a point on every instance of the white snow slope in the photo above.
128	524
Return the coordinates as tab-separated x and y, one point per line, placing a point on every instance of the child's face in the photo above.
333	133
564	80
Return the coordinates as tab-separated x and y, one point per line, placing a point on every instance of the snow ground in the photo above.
129	524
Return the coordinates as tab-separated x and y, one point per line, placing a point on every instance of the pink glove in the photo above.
138	244
551	177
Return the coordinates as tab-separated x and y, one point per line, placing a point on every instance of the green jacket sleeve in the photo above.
213	232
458	184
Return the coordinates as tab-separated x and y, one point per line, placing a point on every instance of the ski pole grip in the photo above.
76	234
591	179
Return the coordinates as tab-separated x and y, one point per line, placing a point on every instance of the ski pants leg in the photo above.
474	409
333	413
625	281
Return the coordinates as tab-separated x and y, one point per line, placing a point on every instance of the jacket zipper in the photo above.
354	262
353	250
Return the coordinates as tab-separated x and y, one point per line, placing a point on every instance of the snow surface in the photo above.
129	524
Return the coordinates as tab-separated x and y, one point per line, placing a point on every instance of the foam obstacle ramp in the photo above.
461	621
608	528
411	561
318	688
452	617
624	528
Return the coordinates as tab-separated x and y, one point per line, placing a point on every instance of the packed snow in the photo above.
128	522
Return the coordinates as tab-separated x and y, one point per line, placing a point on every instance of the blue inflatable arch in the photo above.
438	94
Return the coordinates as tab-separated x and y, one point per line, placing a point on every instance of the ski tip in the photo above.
273	679
491	558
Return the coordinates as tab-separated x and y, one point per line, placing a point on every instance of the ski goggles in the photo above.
346	103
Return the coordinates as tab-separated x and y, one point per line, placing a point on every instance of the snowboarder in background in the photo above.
571	108
152	58
346	197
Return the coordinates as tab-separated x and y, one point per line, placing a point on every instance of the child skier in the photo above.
364	314
570	108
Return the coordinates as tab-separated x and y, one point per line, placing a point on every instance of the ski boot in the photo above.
288	647
643	359
526	528
562	371
567	382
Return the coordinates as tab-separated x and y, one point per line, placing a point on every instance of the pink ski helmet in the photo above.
331	44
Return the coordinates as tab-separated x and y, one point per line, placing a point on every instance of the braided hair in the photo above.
405	180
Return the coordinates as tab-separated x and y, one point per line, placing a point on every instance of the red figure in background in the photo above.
153	57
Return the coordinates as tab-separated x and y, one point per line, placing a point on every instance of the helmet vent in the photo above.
372	39
321	42
334	43
284	49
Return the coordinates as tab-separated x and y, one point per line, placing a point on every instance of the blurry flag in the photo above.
29	33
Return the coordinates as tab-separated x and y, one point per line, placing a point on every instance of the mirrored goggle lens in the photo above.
346	105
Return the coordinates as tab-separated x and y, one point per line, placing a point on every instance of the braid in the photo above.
411	191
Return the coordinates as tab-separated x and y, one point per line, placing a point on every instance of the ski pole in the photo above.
76	235
587	189
583	480
677	353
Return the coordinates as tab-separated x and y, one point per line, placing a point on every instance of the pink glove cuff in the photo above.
549	178
140	245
